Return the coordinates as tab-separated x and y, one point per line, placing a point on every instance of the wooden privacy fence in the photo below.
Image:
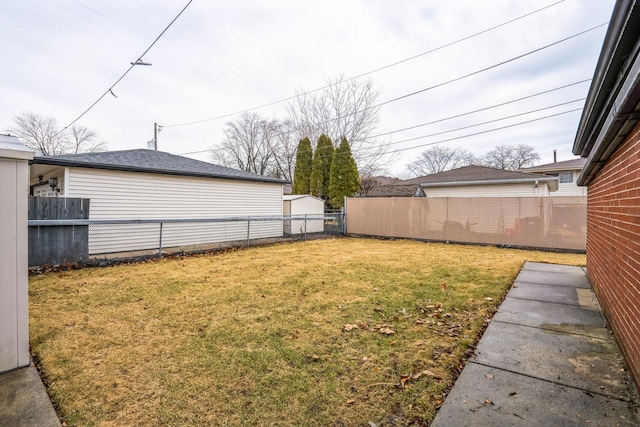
537	222
57	244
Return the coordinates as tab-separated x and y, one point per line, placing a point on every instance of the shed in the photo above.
302	205
609	138
147	184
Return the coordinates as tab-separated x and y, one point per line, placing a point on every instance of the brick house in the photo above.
609	137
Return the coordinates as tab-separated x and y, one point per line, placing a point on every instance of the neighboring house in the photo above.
147	184
302	205
567	172
609	137
396	190
471	181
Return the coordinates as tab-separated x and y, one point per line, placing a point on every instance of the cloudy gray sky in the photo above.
221	57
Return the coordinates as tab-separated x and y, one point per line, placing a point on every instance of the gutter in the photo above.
608	75
67	163
620	120
536	180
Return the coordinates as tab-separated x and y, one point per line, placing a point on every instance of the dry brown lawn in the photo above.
337	332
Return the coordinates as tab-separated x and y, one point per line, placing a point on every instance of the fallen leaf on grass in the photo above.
489	299
349	327
387	331
351	401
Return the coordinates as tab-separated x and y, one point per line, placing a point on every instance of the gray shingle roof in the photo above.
475	174
149	161
394	190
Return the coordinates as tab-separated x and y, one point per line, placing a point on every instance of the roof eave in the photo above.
490	182
607	76
69	163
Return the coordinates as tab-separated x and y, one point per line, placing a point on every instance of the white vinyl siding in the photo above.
131	195
489	190
303	205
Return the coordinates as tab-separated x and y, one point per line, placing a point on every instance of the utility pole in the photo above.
156	129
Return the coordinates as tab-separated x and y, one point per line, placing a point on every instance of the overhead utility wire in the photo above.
461	115
473	134
446	82
133	64
482	123
372	71
488	68
478	110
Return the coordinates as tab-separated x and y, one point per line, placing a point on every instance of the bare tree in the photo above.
84	140
247	145
45	138
283	146
510	157
440	159
344	109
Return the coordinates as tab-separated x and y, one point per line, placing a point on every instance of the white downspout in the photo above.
535	191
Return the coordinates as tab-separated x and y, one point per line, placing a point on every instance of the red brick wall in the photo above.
613	245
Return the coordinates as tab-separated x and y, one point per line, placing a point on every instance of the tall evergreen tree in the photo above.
304	164
344	178
321	168
325	146
316	179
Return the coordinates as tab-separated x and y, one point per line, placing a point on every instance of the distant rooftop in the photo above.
465	175
149	161
574	164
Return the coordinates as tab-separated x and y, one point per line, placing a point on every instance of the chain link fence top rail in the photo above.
87	241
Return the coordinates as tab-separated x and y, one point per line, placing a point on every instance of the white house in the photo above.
480	181
567	172
147	184
303	204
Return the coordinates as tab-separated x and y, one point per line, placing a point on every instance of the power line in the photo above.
474	134
492	66
482	123
461	115
478	110
139	61
372	71
448	81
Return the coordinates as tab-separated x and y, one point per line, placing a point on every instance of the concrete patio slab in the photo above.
576	361
551	278
24	401
553	316
553	268
508	399
546	359
558	294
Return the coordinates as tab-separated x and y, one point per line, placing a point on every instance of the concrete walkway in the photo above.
24	401
546	359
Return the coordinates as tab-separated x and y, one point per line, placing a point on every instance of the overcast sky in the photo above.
220	57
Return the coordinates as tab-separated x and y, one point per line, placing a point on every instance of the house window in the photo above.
565	177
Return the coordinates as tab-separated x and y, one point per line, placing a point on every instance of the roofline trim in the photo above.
76	164
489	182
620	120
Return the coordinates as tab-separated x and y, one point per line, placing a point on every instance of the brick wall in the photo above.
613	245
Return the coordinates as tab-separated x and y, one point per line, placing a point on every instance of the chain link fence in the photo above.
87	241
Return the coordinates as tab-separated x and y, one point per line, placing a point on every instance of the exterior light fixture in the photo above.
53	183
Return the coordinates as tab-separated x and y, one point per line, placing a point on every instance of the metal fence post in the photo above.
305	226
248	228
160	244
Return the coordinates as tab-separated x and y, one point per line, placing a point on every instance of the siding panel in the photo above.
129	195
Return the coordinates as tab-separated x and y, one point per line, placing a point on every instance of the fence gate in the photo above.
58	244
